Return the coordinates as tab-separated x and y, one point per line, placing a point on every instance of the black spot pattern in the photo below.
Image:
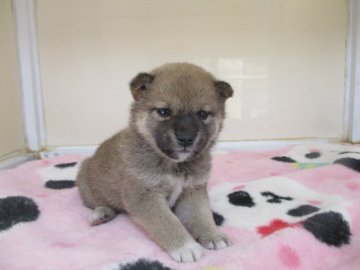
60	184
351	163
219	219
241	198
65	165
143	264
273	198
330	228
284	159
313	155
16	209
302	210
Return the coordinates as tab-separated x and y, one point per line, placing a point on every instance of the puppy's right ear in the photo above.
224	89
140	84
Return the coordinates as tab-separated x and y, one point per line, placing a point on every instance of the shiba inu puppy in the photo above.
156	169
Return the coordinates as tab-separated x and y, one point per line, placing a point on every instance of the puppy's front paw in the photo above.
217	241
190	252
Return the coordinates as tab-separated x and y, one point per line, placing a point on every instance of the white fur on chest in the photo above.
175	194
177	185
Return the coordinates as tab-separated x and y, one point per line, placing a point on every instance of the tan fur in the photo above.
142	170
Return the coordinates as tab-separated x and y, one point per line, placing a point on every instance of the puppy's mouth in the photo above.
179	153
176	151
185	150
183	154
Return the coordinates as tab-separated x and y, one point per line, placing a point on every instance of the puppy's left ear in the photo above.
223	89
140	84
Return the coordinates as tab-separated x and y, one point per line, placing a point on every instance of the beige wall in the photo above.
11	125
284	58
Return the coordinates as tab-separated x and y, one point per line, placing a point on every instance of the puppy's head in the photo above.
179	109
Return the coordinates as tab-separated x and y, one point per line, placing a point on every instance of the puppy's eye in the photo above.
203	115
164	112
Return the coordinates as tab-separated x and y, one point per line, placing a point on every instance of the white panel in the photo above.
30	73
352	102
285	60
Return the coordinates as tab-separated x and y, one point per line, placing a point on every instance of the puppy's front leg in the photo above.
152	212
193	209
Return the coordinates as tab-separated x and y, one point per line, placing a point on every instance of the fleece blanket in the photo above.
292	208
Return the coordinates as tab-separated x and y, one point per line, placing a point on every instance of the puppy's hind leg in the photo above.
101	215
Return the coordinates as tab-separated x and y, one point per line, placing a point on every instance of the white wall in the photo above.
284	58
11	125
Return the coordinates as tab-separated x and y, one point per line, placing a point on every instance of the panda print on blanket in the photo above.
60	176
141	264
323	154
15	210
20	209
264	205
270	204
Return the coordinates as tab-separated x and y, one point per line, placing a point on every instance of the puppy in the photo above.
156	169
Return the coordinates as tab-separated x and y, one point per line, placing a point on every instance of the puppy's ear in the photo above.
223	89
140	84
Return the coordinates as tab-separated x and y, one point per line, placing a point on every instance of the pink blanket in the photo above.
294	208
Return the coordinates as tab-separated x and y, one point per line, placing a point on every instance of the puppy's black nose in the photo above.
186	129
185	138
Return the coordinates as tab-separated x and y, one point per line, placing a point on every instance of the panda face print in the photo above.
277	202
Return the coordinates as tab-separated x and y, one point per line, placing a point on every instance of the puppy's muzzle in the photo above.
186	130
